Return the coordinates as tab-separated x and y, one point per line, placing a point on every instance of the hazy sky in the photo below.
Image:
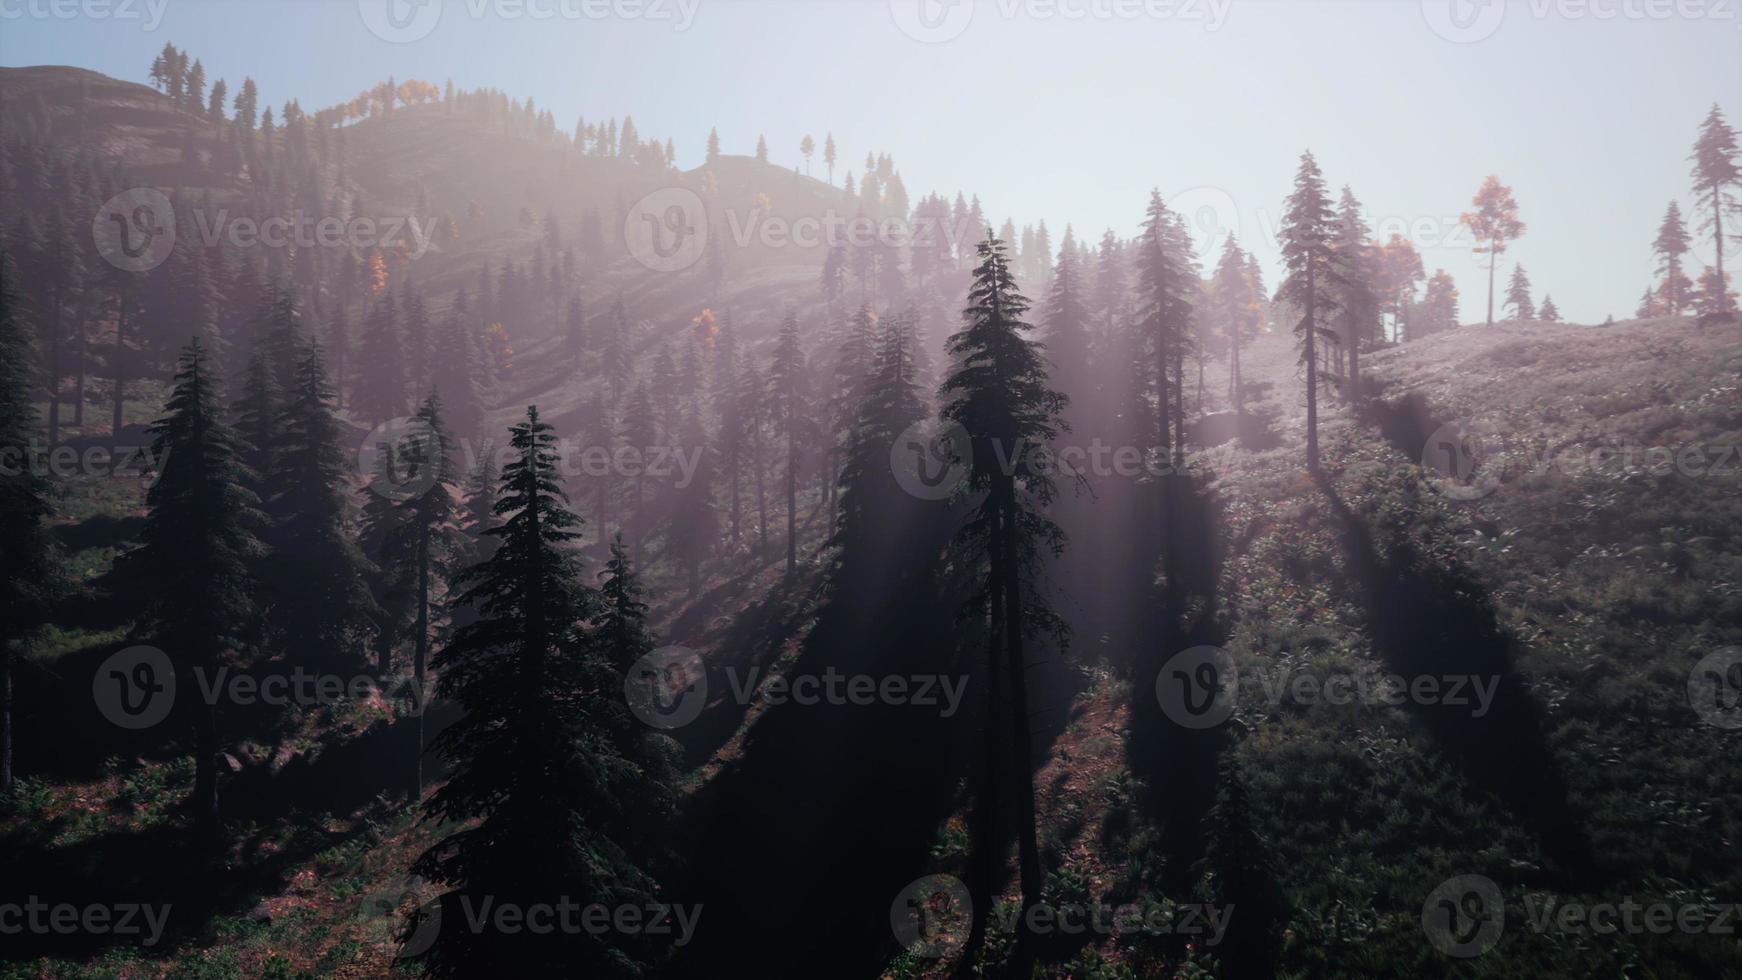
1067	110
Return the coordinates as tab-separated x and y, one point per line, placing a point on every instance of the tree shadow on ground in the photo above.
1431	620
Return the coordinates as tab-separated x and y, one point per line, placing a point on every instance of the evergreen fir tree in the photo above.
1308	230
1672	243
380	393
998	392
318	574
27	574
1717	170
532	777
1518	295
195	555
786	408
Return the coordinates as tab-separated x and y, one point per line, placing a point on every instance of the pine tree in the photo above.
380	393
616	361
425	523
1232	293
526	758
196	550
1308	230
318	575
1357	298
829	156
1169	288
1440	304
600	435
1549	312
454	372
27	573
751	401
693	524
786	408
575	330
1242	872
1068	321
998	393
1672	243
713	147
257	420
415	334
1518	295
382	541
1717	169
872	505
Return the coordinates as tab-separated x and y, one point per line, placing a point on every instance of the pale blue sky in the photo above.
1072	118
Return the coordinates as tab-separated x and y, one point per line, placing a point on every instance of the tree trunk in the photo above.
1718	237
205	798
1028	841
118	368
54	379
987	852
1493	263
79	360
791	496
761	497
5	715
1354	360
1234	394
1312	373
732	481
419	658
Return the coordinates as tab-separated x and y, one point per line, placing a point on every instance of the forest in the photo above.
439	537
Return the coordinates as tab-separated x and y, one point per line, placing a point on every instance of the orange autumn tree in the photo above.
1495	224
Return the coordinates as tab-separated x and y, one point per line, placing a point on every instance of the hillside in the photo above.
1543	517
